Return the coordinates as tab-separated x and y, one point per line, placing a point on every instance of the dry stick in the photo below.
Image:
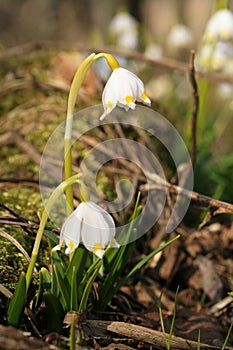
6	221
195	108
223	207
148	335
16	243
163	62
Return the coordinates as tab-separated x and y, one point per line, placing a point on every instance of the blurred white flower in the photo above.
215	57
124	29
179	37
160	87
220	26
91	225
203	58
154	51
123	89
225	91
223	51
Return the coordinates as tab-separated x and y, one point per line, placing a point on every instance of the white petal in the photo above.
70	232
56	247
123	88
132	105
146	101
98	228
108	107
99	253
114	243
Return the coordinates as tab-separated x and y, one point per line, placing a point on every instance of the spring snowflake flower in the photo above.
222	53
124	29
91	225
123	89
179	37
220	26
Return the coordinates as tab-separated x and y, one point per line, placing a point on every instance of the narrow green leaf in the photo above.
46	279
117	260
89	272
120	261
53	239
74	292
78	260
227	336
17	302
137	267
89	284
56	260
54	312
144	261
173	320
62	287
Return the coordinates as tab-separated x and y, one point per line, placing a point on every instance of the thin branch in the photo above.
195	108
163	62
16	243
9	221
223	207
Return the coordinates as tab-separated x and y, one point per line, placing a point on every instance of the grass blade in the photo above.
54	312
17	302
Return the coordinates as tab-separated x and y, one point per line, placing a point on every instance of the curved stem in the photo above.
52	199
74	90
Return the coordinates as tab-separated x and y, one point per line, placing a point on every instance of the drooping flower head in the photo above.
91	225
123	89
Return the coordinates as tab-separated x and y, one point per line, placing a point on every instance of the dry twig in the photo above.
148	335
195	107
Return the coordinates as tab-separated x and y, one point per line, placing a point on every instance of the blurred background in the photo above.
72	21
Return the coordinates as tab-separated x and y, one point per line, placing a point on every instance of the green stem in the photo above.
86	292
52	199
74	90
222	4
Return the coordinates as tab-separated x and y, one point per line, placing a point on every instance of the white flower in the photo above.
124	29
220	26
203	58
123	88
122	22
91	225
215	57
223	51
179	37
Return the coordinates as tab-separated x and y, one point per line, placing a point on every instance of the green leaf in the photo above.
140	264
56	260
44	284
89	284
17	302
74	292
46	279
120	261
52	238
62	287
112	291
79	261
117	260
54	312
